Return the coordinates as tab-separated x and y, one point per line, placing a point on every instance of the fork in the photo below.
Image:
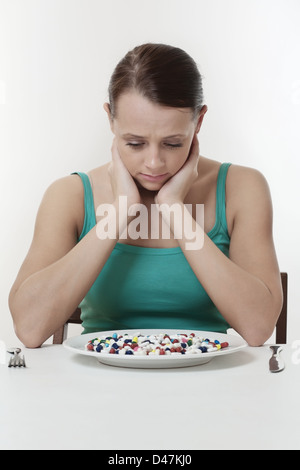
16	360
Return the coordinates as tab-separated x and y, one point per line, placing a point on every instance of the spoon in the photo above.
276	364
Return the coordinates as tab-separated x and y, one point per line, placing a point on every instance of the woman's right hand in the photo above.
122	182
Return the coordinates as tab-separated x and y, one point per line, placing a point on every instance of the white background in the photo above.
56	58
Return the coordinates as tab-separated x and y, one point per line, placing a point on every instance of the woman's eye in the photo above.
139	145
174	146
135	144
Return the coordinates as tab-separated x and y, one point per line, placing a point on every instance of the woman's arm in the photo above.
58	272
245	287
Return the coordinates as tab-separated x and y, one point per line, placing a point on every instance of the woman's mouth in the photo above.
154	178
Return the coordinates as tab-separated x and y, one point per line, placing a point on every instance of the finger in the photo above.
194	153
115	152
195	147
114	149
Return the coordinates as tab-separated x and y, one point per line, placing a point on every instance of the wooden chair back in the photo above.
281	327
61	334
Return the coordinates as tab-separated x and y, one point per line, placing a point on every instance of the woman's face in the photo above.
153	141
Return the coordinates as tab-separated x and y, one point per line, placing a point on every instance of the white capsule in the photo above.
140	352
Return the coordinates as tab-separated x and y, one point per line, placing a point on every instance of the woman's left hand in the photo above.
176	188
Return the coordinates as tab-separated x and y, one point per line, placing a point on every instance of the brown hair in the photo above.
163	74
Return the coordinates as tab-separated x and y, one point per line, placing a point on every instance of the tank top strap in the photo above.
89	211
221	197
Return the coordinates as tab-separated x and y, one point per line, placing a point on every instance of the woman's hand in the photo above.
122	182
176	188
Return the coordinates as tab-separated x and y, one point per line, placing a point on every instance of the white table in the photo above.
67	401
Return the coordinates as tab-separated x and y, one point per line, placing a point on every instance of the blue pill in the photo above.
129	352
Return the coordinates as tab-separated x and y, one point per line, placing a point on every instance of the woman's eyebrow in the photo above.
130	136
175	135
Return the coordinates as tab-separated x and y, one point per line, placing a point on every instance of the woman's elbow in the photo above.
258	335
26	333
30	338
256	340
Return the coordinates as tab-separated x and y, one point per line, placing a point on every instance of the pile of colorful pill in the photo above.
161	344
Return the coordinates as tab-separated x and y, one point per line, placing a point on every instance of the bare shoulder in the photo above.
66	195
247	193
67	187
246	183
64	198
242	177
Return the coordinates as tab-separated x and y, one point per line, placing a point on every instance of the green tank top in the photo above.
142	287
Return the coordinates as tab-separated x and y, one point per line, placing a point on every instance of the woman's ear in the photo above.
200	118
107	109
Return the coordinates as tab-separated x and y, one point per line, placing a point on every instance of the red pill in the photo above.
112	351
90	347
224	345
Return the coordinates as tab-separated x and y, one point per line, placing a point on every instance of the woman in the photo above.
135	280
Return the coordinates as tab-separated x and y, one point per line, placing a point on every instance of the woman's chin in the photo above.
149	186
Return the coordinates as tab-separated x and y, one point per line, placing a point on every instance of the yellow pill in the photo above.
135	339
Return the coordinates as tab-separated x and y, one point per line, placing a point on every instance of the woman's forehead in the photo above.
137	115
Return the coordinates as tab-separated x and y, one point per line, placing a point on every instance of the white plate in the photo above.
77	345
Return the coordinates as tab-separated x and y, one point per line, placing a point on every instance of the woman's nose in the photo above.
153	160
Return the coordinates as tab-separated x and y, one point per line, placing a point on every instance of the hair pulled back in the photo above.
164	74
